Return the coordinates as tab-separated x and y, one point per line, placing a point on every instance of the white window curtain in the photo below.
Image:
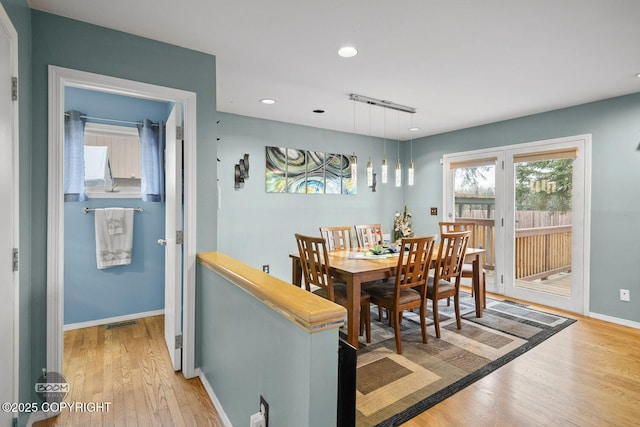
74	190
152	161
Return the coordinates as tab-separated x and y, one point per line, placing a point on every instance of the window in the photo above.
112	161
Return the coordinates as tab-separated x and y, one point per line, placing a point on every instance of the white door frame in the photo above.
59	78
8	28
580	301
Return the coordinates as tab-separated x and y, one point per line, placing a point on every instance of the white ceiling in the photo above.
460	63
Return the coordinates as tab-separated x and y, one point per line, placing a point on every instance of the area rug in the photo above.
392	388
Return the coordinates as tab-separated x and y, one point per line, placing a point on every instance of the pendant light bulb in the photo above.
369	173
354	169
398	175
410	174
385	170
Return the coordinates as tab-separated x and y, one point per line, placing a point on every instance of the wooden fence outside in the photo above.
540	251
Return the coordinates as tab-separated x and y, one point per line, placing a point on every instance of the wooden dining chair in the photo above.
368	235
445	282
337	237
316	271
467	269
407	290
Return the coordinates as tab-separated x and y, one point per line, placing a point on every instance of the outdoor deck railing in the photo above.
543	251
540	251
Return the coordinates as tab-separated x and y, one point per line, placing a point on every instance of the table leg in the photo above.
353	310
478	285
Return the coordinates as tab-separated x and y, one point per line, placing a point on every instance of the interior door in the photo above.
8	290
173	239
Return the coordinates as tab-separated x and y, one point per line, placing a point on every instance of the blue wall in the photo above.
257	227
255	351
615	197
73	44
91	294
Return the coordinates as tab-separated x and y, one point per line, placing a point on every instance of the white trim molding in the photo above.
214	399
59	78
616	320
109	320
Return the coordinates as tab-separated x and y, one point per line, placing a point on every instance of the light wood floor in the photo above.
586	375
130	367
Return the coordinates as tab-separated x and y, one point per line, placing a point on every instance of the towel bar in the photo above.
87	210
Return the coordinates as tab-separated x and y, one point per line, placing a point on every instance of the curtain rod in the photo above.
87	210
111	120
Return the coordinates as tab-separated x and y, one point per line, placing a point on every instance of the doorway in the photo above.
59	78
532	202
9	215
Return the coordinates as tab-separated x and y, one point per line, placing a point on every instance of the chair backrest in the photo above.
414	263
315	263
451	256
460	225
451	227
369	235
337	237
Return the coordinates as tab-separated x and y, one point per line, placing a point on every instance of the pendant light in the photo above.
385	165
410	171
369	164
398	165
354	159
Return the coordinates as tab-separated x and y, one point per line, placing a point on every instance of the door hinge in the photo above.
501	278
503	165
14	88
503	222
179	132
179	237
15	259
178	342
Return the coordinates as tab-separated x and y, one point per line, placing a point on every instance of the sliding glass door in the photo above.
538	226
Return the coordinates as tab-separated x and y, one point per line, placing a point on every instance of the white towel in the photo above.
96	161
113	249
115	220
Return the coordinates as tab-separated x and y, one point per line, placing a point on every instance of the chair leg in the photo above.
366	310
436	320
484	289
456	303
396	327
448	302
423	320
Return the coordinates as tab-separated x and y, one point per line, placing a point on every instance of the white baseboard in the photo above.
117	319
615	320
214	399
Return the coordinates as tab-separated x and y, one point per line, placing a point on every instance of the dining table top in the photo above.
359	260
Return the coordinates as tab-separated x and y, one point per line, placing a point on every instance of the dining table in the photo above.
357	266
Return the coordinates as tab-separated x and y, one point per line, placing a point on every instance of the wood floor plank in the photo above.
129	366
586	375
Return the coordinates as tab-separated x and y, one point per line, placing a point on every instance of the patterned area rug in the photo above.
392	388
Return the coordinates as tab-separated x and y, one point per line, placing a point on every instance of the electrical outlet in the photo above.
264	408
434	211
265	268
624	295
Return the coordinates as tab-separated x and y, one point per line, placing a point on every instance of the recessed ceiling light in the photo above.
347	51
268	101
318	111
638	75
413	129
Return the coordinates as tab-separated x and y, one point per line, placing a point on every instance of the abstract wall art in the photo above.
290	170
